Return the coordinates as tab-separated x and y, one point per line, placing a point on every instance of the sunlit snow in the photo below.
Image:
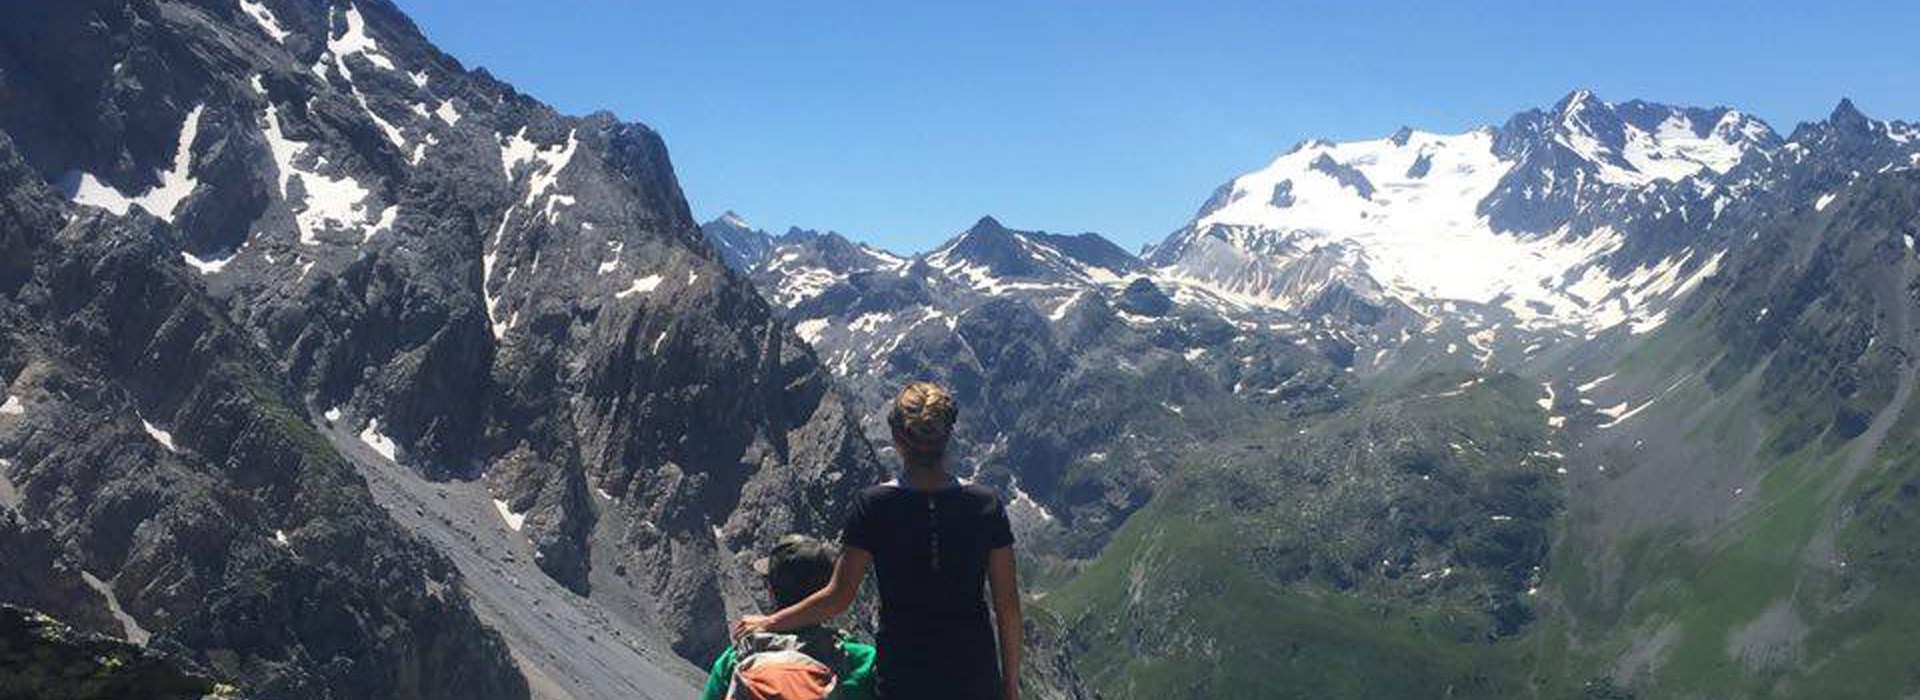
208	266
355	40
330	203
163	199
810	329
640	286
160	436
264	17
514	520
1404	212
380	443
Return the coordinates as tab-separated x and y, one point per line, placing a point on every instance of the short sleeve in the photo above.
999	529
858	529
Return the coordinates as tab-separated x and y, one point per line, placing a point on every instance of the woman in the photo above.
933	542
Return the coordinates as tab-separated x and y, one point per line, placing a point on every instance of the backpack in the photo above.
769	666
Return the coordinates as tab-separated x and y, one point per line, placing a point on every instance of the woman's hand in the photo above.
750	624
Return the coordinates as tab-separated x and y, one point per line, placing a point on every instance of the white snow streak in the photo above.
163	199
208	267
640	286
514	520
810	329
264	17
330	203
355	40
379	441
160	436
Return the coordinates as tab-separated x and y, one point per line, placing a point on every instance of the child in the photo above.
797	566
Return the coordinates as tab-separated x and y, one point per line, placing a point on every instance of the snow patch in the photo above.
84	188
486	276
330	203
13	407
160	436
208	267
1590	386
448	113
613	248
1022	498
810	329
548	162
869	322
163	199
641	285
514	520
380	443
264	17
356	40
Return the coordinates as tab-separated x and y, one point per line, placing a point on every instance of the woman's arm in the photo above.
1006	616
825	603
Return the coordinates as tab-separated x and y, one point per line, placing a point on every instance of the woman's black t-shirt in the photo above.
930	557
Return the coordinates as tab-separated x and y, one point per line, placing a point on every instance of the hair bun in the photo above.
925	412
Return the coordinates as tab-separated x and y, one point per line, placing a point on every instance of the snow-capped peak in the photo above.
1636	143
1485	216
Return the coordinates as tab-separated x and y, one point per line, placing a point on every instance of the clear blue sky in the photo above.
901	122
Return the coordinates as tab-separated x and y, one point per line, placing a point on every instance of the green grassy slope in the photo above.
1383	550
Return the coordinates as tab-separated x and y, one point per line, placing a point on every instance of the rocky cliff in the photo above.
389	260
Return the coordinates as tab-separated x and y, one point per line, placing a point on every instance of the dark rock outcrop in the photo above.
42	658
311	214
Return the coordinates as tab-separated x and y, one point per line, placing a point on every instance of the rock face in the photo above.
466	282
1082	380
153	445
42	658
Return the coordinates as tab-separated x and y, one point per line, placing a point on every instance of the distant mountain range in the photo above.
1490	377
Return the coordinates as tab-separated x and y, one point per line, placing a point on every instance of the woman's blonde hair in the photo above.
922	420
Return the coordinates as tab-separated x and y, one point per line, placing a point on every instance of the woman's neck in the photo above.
928	478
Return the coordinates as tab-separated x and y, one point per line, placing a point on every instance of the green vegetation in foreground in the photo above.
1169	612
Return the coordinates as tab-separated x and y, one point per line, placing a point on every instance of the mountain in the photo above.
330	367
342	370
1084	379
1611	400
1558	201
1712	510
